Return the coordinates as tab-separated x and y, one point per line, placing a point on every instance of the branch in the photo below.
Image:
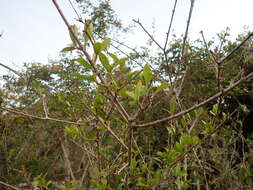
42	118
171	20
113	134
235	49
9	186
179	114
68	161
187	26
129	155
118	105
145	30
12	70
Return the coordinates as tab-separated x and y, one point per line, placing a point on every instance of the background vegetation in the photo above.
105	116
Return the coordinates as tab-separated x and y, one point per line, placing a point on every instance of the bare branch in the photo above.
187	27
145	30
171	20
9	186
12	70
113	134
235	49
67	160
42	118
214	97
73	7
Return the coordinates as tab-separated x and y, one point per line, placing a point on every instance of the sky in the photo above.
34	32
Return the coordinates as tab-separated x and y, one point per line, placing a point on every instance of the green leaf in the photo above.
66	49
122	91
101	127
185	140
137	90
214	110
83	62
172	107
97	47
105	44
195	139
91	78
184	122
179	147
75	31
161	87
131	95
89	29
122	64
114	57
147	74
105	62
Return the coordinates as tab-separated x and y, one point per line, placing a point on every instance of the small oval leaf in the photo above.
105	62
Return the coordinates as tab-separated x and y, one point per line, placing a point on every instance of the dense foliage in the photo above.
99	119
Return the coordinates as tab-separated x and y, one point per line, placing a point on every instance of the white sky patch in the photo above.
34	31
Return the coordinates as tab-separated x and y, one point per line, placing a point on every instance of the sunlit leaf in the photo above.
195	140
83	62
105	62
91	78
97	47
147	74
105	44
185	140
89	29
137	90
75	31
114	57
66	49
131	95
161	87
179	147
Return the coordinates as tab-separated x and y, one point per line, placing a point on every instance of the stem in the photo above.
130	134
171	20
187	27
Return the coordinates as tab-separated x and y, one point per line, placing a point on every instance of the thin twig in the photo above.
129	158
73	7
45	106
145	30
113	134
171	20
235	49
9	186
187	27
5	66
210	54
68	161
42	118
